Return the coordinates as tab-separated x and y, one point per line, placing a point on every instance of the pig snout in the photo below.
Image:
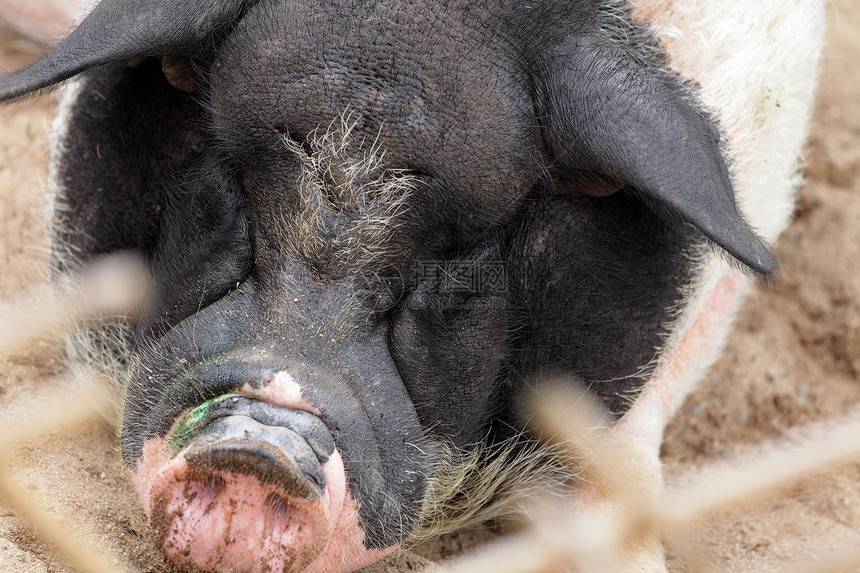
247	486
241	484
281	470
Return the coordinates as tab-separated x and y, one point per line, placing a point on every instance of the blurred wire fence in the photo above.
559	539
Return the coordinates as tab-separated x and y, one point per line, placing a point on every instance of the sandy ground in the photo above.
794	359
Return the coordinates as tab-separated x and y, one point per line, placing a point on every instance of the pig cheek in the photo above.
232	522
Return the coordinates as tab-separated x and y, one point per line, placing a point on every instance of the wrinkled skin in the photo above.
328	317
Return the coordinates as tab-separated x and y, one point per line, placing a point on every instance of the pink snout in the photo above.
225	521
254	488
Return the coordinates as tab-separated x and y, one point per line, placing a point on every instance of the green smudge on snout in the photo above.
193	423
255	395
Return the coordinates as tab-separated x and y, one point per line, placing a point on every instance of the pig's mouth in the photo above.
244	485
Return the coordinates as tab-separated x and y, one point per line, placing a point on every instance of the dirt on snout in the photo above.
793	360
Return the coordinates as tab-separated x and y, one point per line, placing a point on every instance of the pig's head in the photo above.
369	225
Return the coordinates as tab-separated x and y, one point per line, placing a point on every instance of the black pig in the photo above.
372	225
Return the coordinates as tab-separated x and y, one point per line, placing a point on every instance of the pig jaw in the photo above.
208	518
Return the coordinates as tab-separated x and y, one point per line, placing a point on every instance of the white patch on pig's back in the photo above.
756	64
86	7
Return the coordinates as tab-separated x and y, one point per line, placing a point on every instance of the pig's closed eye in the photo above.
463	274
416	172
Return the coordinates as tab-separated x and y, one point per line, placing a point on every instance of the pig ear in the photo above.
118	32
607	115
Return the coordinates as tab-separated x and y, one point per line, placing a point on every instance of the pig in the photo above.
374	227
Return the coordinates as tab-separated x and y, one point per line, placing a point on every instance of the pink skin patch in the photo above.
230	522
281	390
